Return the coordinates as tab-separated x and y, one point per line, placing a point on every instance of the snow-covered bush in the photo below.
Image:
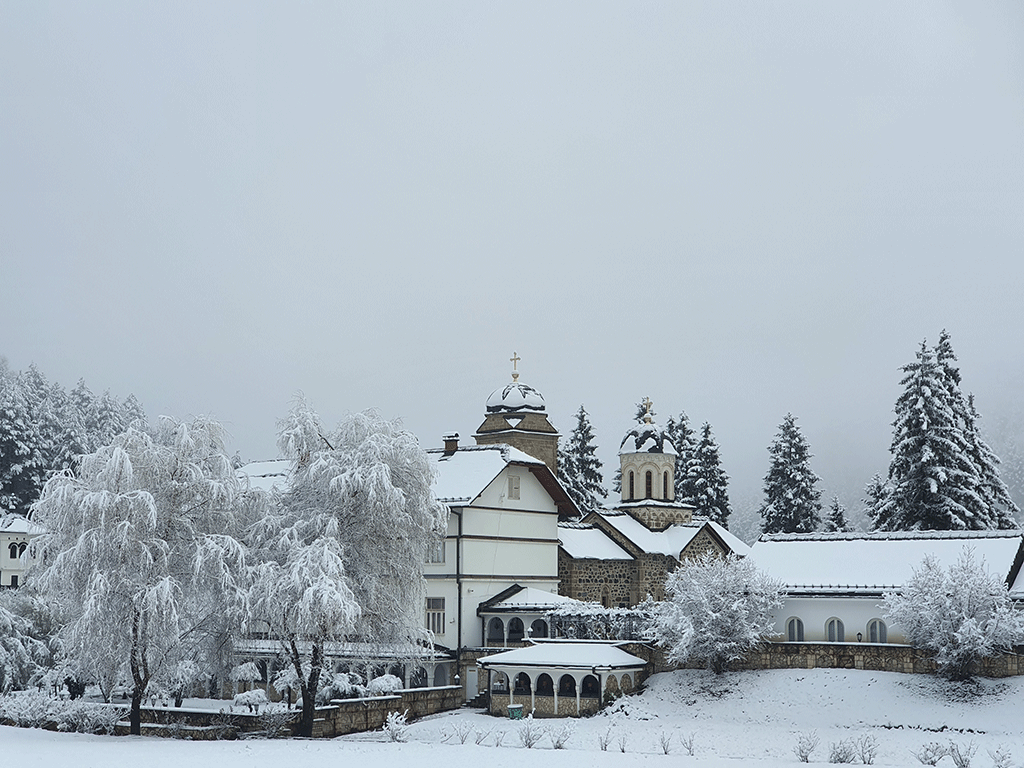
1001	757
384	685
665	741
560	736
253	699
806	743
604	738
530	732
396	726
23	651
962	614
688	740
276	720
844	751
246	673
867	749
962	754
931	753
343	685
716	610
28	709
86	717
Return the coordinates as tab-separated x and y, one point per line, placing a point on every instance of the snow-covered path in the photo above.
750	718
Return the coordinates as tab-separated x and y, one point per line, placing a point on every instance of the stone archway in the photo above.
495	630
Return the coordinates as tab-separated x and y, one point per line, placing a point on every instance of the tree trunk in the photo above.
140	676
135	717
309	686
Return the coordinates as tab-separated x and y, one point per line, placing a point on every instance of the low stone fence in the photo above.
354	715
869	656
543	706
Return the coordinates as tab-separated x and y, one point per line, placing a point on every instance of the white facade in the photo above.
502	531
15	534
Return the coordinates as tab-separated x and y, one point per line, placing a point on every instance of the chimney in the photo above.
451	443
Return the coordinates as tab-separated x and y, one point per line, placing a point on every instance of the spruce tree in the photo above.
679	432
710	484
579	469
876	493
935	484
792	500
1002	510
835	521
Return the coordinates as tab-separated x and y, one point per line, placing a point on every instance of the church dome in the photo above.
515	396
647	437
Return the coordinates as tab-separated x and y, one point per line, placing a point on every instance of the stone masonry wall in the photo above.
587	580
354	715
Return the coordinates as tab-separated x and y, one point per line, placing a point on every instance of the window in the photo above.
649	483
664	488
513	486
630	486
435	615
14	580
835	632
14	551
436	553
795	630
22	547
876	631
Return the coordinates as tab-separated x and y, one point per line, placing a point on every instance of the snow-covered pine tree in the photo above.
710	484
682	437
141	559
579	469
22	464
1002	510
876	492
934	482
792	500
835	520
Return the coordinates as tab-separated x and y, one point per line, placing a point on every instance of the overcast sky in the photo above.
739	210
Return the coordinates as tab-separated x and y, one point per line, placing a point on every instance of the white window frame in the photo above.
835	631
435	615
435	556
795	630
514	487
877	631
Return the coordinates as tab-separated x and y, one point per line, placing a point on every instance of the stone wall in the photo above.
595	580
543	706
356	715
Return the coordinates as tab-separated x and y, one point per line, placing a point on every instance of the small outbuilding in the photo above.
560	678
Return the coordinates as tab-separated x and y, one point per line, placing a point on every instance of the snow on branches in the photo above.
716	610
962	614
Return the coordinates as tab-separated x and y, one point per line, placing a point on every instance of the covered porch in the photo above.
560	678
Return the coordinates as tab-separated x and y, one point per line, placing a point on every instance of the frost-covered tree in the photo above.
961	614
682	437
876	492
579	469
792	500
716	610
22	466
707	479
835	520
24	651
935	486
368	485
141	560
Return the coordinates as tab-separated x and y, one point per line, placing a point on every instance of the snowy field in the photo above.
752	718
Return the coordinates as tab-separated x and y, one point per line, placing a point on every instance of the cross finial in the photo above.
515	361
647	404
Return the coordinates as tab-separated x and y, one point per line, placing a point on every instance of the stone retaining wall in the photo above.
354	715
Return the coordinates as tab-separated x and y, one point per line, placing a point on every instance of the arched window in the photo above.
664	489
522	684
545	687
516	630
795	630
21	548
876	631
590	687
495	630
567	686
631	485
834	631
539	628
649	482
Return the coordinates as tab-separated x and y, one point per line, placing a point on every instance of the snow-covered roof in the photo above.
566	655
583	541
871	562
267	475
515	396
533	599
462	475
673	539
14	523
646	438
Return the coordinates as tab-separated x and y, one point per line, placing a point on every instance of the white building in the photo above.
15	534
834	582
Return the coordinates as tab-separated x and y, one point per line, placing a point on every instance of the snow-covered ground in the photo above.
750	718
